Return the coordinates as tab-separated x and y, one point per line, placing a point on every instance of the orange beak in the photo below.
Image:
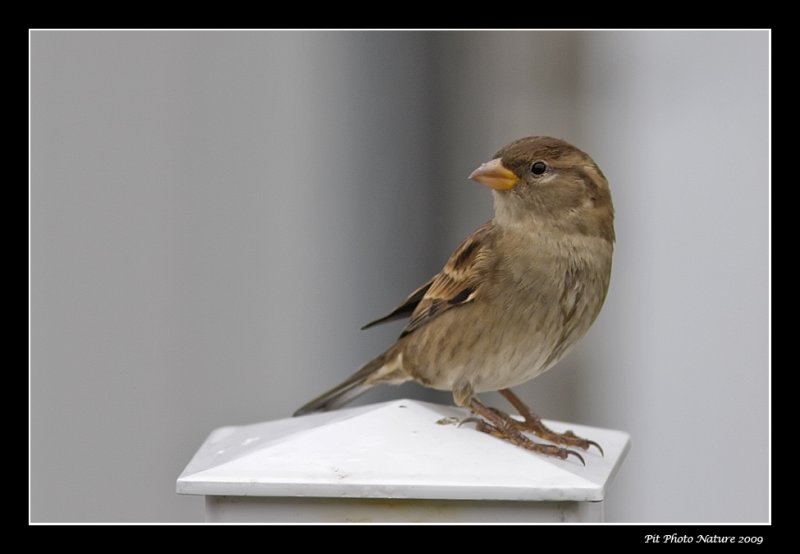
495	175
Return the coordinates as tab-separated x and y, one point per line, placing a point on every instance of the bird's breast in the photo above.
556	295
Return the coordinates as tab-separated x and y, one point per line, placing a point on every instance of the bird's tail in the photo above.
355	385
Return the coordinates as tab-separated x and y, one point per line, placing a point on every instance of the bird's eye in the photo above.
538	168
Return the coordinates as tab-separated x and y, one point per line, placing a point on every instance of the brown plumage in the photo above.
513	298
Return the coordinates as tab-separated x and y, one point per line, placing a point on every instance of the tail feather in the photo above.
354	386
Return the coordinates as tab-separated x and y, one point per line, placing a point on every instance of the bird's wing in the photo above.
457	284
406	308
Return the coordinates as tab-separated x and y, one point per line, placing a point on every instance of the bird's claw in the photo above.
471	419
568	452
600	448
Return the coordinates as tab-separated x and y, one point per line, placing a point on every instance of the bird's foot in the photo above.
501	425
567	438
532	423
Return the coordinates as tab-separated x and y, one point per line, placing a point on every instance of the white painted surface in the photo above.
403	449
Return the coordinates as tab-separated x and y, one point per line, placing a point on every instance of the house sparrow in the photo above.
514	297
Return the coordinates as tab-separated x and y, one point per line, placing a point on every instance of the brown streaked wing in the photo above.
459	282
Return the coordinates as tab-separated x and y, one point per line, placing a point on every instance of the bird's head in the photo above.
548	181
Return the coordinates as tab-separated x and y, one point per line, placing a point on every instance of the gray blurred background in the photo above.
214	215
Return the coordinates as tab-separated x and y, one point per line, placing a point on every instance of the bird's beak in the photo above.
495	175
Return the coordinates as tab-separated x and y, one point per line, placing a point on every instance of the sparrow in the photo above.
514	297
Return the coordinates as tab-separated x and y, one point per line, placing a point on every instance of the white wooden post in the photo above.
402	460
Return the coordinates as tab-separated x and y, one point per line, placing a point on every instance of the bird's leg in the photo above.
501	425
533	423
